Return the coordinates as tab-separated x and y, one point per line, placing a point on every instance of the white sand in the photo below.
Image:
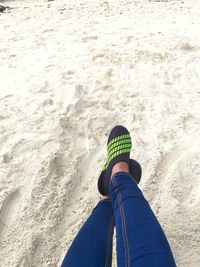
69	72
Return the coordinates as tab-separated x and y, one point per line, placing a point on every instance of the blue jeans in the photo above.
141	241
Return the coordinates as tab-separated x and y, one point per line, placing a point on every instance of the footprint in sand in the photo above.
183	176
48	102
177	172
25	261
7	157
188	47
68	75
98	56
8	209
89	38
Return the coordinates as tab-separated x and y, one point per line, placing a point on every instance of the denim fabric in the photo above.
141	241
92	246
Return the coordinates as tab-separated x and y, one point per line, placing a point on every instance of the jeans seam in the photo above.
124	234
128	254
108	242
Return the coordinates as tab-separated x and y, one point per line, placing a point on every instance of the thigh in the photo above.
140	238
92	246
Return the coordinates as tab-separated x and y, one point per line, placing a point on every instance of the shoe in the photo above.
119	145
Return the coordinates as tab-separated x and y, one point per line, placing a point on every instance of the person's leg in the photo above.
141	241
92	247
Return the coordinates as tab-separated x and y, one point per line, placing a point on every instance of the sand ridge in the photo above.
69	72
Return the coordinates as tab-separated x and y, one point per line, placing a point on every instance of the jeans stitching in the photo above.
127	257
128	254
109	240
120	208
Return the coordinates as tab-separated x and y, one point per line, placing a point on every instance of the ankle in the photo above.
121	166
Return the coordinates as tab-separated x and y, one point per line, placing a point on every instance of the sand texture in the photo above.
69	72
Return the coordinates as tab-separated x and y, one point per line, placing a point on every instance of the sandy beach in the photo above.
69	72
